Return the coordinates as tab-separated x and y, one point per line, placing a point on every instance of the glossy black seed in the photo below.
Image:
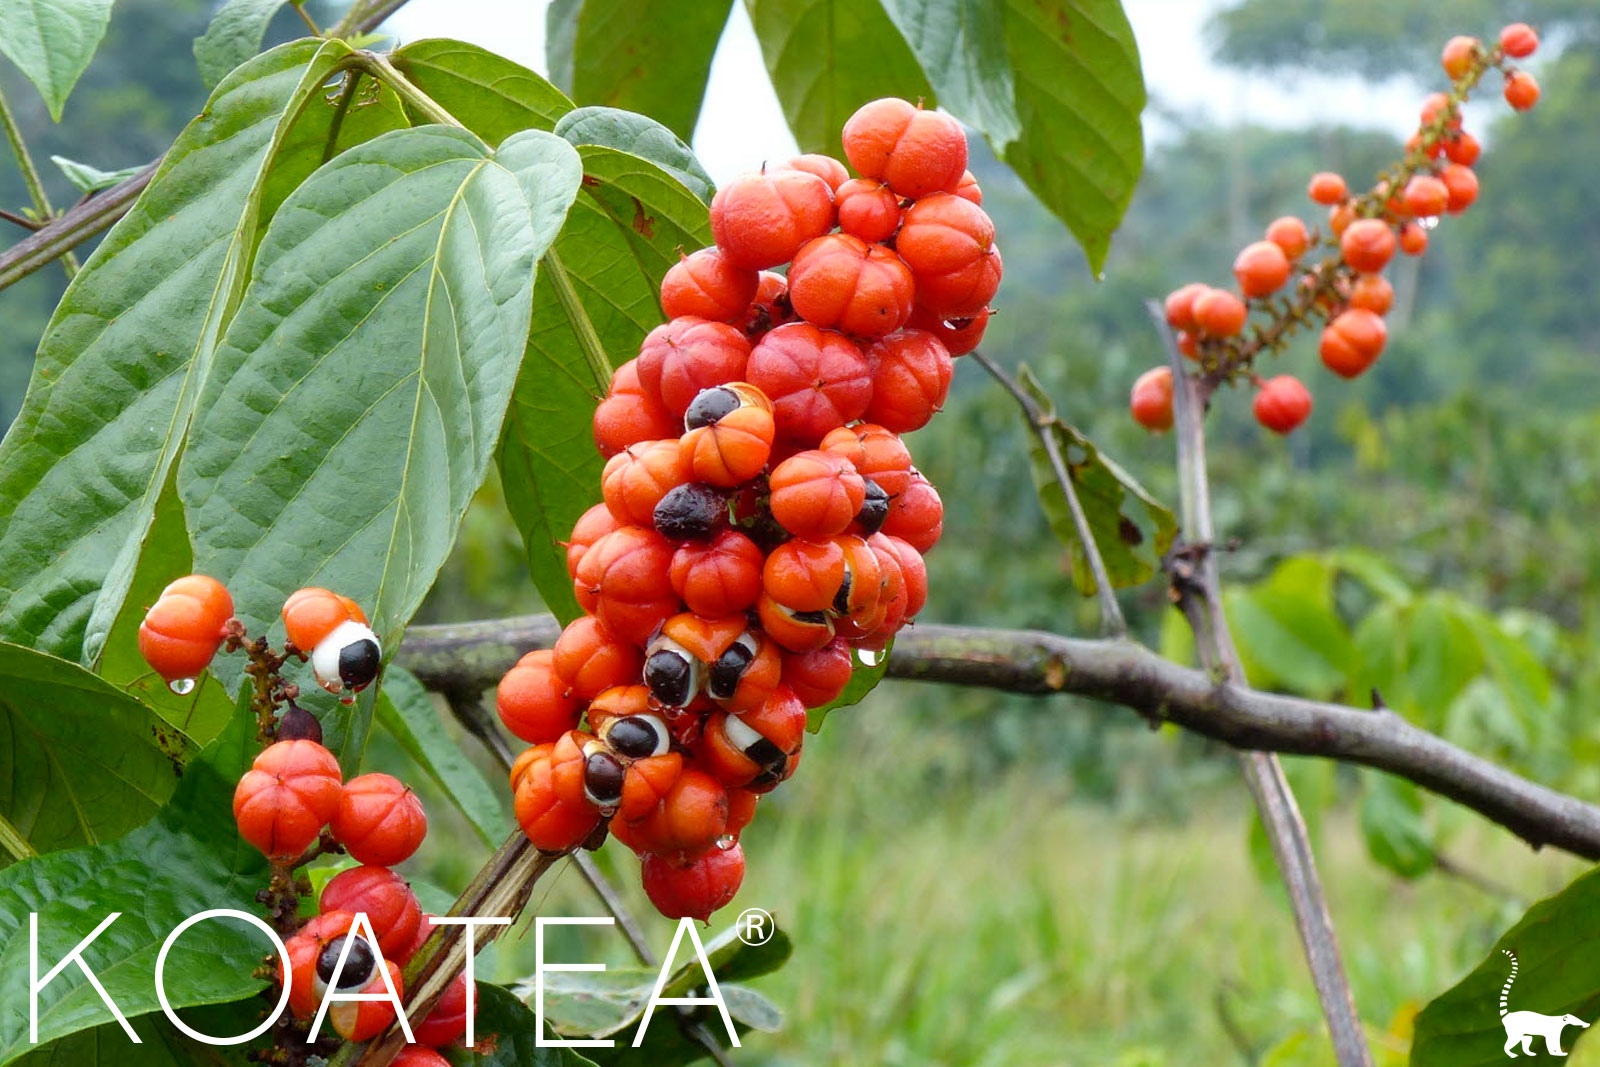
709	405
359	965
602	778
729	668
766	754
633	736
841	599
874	508
670	677
690	512
298	724
358	663
816	618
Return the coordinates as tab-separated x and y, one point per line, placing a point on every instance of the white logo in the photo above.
1523	1026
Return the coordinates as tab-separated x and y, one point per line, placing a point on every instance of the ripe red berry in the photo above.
911	371
1282	403
590	527
770	307
827	168
1340	216
550	821
1262	268
1352	341
916	515
380	821
688	818
1288	233
819	676
446	1022
720	577
915	152
705	285
1463	148
345	655
1219	313
418	1056
815	494
1372	292
1463	186
1367	245
1458	56
754	748
867	209
842	282
635	479
623	581
184	627
629	415
804	575
1522	90
385	898
761	220
290	793
1519	40
680	358
817	380
1437	105
1327	188
1426	196
1413	239
694	888
589	660
960	335
969	189
1151	401
948	243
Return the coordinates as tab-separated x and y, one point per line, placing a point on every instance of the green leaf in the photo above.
1558	973
87	179
82	762
235	34
186	860
161	1043
1289	633
610	1003
1132	530
641	136
731	961
869	671
360	389
493	96
619	240
1393	820
1079	93
961	45
52	41
1442	656
407	712
507	1035
642	55
827	58
123	359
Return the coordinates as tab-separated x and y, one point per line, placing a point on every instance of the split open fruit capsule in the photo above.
345	653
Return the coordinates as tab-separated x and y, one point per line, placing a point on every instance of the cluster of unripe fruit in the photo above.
762	525
1346	290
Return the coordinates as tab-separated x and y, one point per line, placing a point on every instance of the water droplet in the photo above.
868	657
182	686
726	841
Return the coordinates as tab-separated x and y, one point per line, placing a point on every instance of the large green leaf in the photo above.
827	58
638	135
125	354
961	44
620	238
360	389
1132	530
81	762
1558	973
406	711
161	1043
52	41
186	860
235	34
493	96
1289	633
652	56
507	1035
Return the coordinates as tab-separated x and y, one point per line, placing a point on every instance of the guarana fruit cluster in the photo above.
1346	290
295	789
762	524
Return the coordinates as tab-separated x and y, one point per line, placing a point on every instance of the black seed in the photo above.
729	668
815	618
769	777
633	736
766	754
602	778
358	663
358	966
298	724
874	508
709	405
690	512
669	676
841	599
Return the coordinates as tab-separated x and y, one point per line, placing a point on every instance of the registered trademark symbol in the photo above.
755	926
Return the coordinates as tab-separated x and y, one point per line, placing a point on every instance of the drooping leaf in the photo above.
507	1035
81	762
1132	530
491	95
124	356
641	136
360	389
189	858
869	671
1558	973
235	34
87	179
621	236
52	41
827	58
642	55
1393	820
406	711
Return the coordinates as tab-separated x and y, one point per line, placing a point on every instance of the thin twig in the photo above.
1112	624
1201	600
59	236
21	220
30	176
305	17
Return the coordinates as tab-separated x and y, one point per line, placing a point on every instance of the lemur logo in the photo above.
1523	1026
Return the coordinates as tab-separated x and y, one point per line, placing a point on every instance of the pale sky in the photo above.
741	123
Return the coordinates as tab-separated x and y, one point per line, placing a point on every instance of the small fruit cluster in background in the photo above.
762	525
1345	290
